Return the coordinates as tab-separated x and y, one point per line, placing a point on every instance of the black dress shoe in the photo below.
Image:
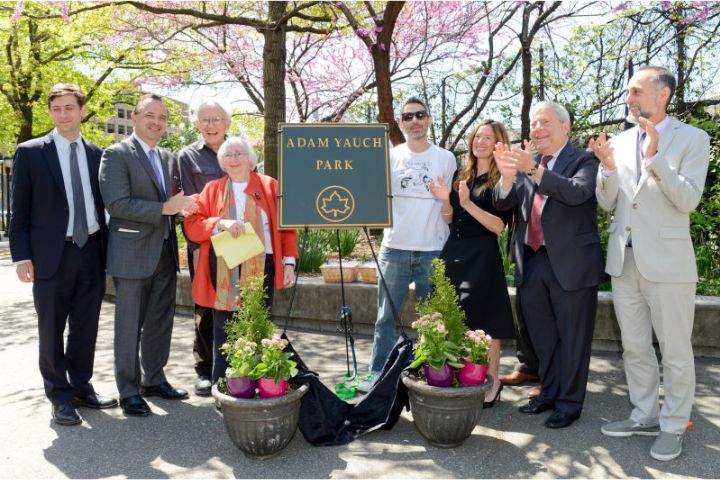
65	414
164	390
95	400
535	406
202	387
561	419
135	405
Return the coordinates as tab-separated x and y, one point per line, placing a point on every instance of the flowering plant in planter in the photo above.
242	357
274	362
253	350
433	347
441	326
476	346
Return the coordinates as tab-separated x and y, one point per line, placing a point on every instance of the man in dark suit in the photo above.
57	241
558	258
141	189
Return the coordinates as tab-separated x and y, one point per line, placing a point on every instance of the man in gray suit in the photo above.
652	177
139	183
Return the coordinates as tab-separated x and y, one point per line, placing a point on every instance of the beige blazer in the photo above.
655	210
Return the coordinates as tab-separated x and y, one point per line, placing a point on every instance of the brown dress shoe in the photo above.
535	392
518	378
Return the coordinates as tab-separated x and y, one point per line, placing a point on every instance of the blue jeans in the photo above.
400	268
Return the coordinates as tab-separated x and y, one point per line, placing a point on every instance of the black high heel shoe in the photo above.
491	403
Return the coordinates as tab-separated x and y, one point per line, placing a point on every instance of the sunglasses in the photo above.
407	117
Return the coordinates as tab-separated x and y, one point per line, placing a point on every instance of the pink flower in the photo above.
441	328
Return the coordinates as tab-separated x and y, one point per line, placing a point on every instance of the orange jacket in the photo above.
199	228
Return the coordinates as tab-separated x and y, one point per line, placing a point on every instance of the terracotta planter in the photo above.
240	387
269	388
439	377
472	373
261	428
446	417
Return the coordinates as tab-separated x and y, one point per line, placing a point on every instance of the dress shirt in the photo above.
198	165
62	145
550	165
146	148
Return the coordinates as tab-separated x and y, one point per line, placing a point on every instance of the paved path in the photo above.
188	439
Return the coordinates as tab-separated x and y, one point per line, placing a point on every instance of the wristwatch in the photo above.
533	171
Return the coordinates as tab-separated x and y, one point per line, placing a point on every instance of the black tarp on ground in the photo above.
326	420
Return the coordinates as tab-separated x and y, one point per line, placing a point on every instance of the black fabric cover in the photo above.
326	420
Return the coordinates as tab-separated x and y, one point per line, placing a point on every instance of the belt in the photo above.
92	236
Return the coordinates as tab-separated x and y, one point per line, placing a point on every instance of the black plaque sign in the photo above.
334	175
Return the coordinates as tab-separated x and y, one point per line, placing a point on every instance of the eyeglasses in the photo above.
211	121
407	117
235	155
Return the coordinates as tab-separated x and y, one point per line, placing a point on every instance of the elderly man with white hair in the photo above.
241	197
198	166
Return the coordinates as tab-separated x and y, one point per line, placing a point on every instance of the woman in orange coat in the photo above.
227	204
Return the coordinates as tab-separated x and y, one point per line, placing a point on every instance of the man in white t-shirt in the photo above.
418	233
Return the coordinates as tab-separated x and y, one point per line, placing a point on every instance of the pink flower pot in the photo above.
439	377
472	373
241	387
268	388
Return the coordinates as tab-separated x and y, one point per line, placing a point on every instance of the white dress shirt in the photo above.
62	145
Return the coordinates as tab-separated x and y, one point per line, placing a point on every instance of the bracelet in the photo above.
446	214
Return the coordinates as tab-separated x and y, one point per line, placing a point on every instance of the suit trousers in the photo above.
642	306
561	325
144	313
203	342
525	351
72	296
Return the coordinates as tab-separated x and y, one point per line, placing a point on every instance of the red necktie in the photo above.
535	237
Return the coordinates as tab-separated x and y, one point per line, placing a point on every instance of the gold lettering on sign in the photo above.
333	165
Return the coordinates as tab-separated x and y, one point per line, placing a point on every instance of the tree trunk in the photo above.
274	54
526	59
681	59
381	63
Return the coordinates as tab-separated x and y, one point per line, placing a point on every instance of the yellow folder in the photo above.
236	250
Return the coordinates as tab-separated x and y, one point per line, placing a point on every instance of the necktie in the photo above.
640	157
80	226
535	237
158	174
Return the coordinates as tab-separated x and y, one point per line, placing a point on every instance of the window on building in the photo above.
121	113
110	128
121	129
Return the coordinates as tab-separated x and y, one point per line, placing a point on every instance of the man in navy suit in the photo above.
558	259
57	241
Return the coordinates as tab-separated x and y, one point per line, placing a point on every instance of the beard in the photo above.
634	119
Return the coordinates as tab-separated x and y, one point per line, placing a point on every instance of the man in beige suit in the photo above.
652	176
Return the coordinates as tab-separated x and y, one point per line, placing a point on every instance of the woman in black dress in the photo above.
471	254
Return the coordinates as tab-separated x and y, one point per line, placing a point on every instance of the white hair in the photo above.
560	111
240	142
209	102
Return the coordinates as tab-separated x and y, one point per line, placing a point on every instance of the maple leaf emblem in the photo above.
335	204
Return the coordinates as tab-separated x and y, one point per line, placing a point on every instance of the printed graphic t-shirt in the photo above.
417	221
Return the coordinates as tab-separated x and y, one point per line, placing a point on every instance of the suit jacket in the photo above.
656	210
134	199
569	218
39	212
199	228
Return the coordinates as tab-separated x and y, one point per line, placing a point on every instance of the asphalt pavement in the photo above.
187	439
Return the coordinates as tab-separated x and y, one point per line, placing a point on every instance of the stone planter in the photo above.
263	427
446	417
